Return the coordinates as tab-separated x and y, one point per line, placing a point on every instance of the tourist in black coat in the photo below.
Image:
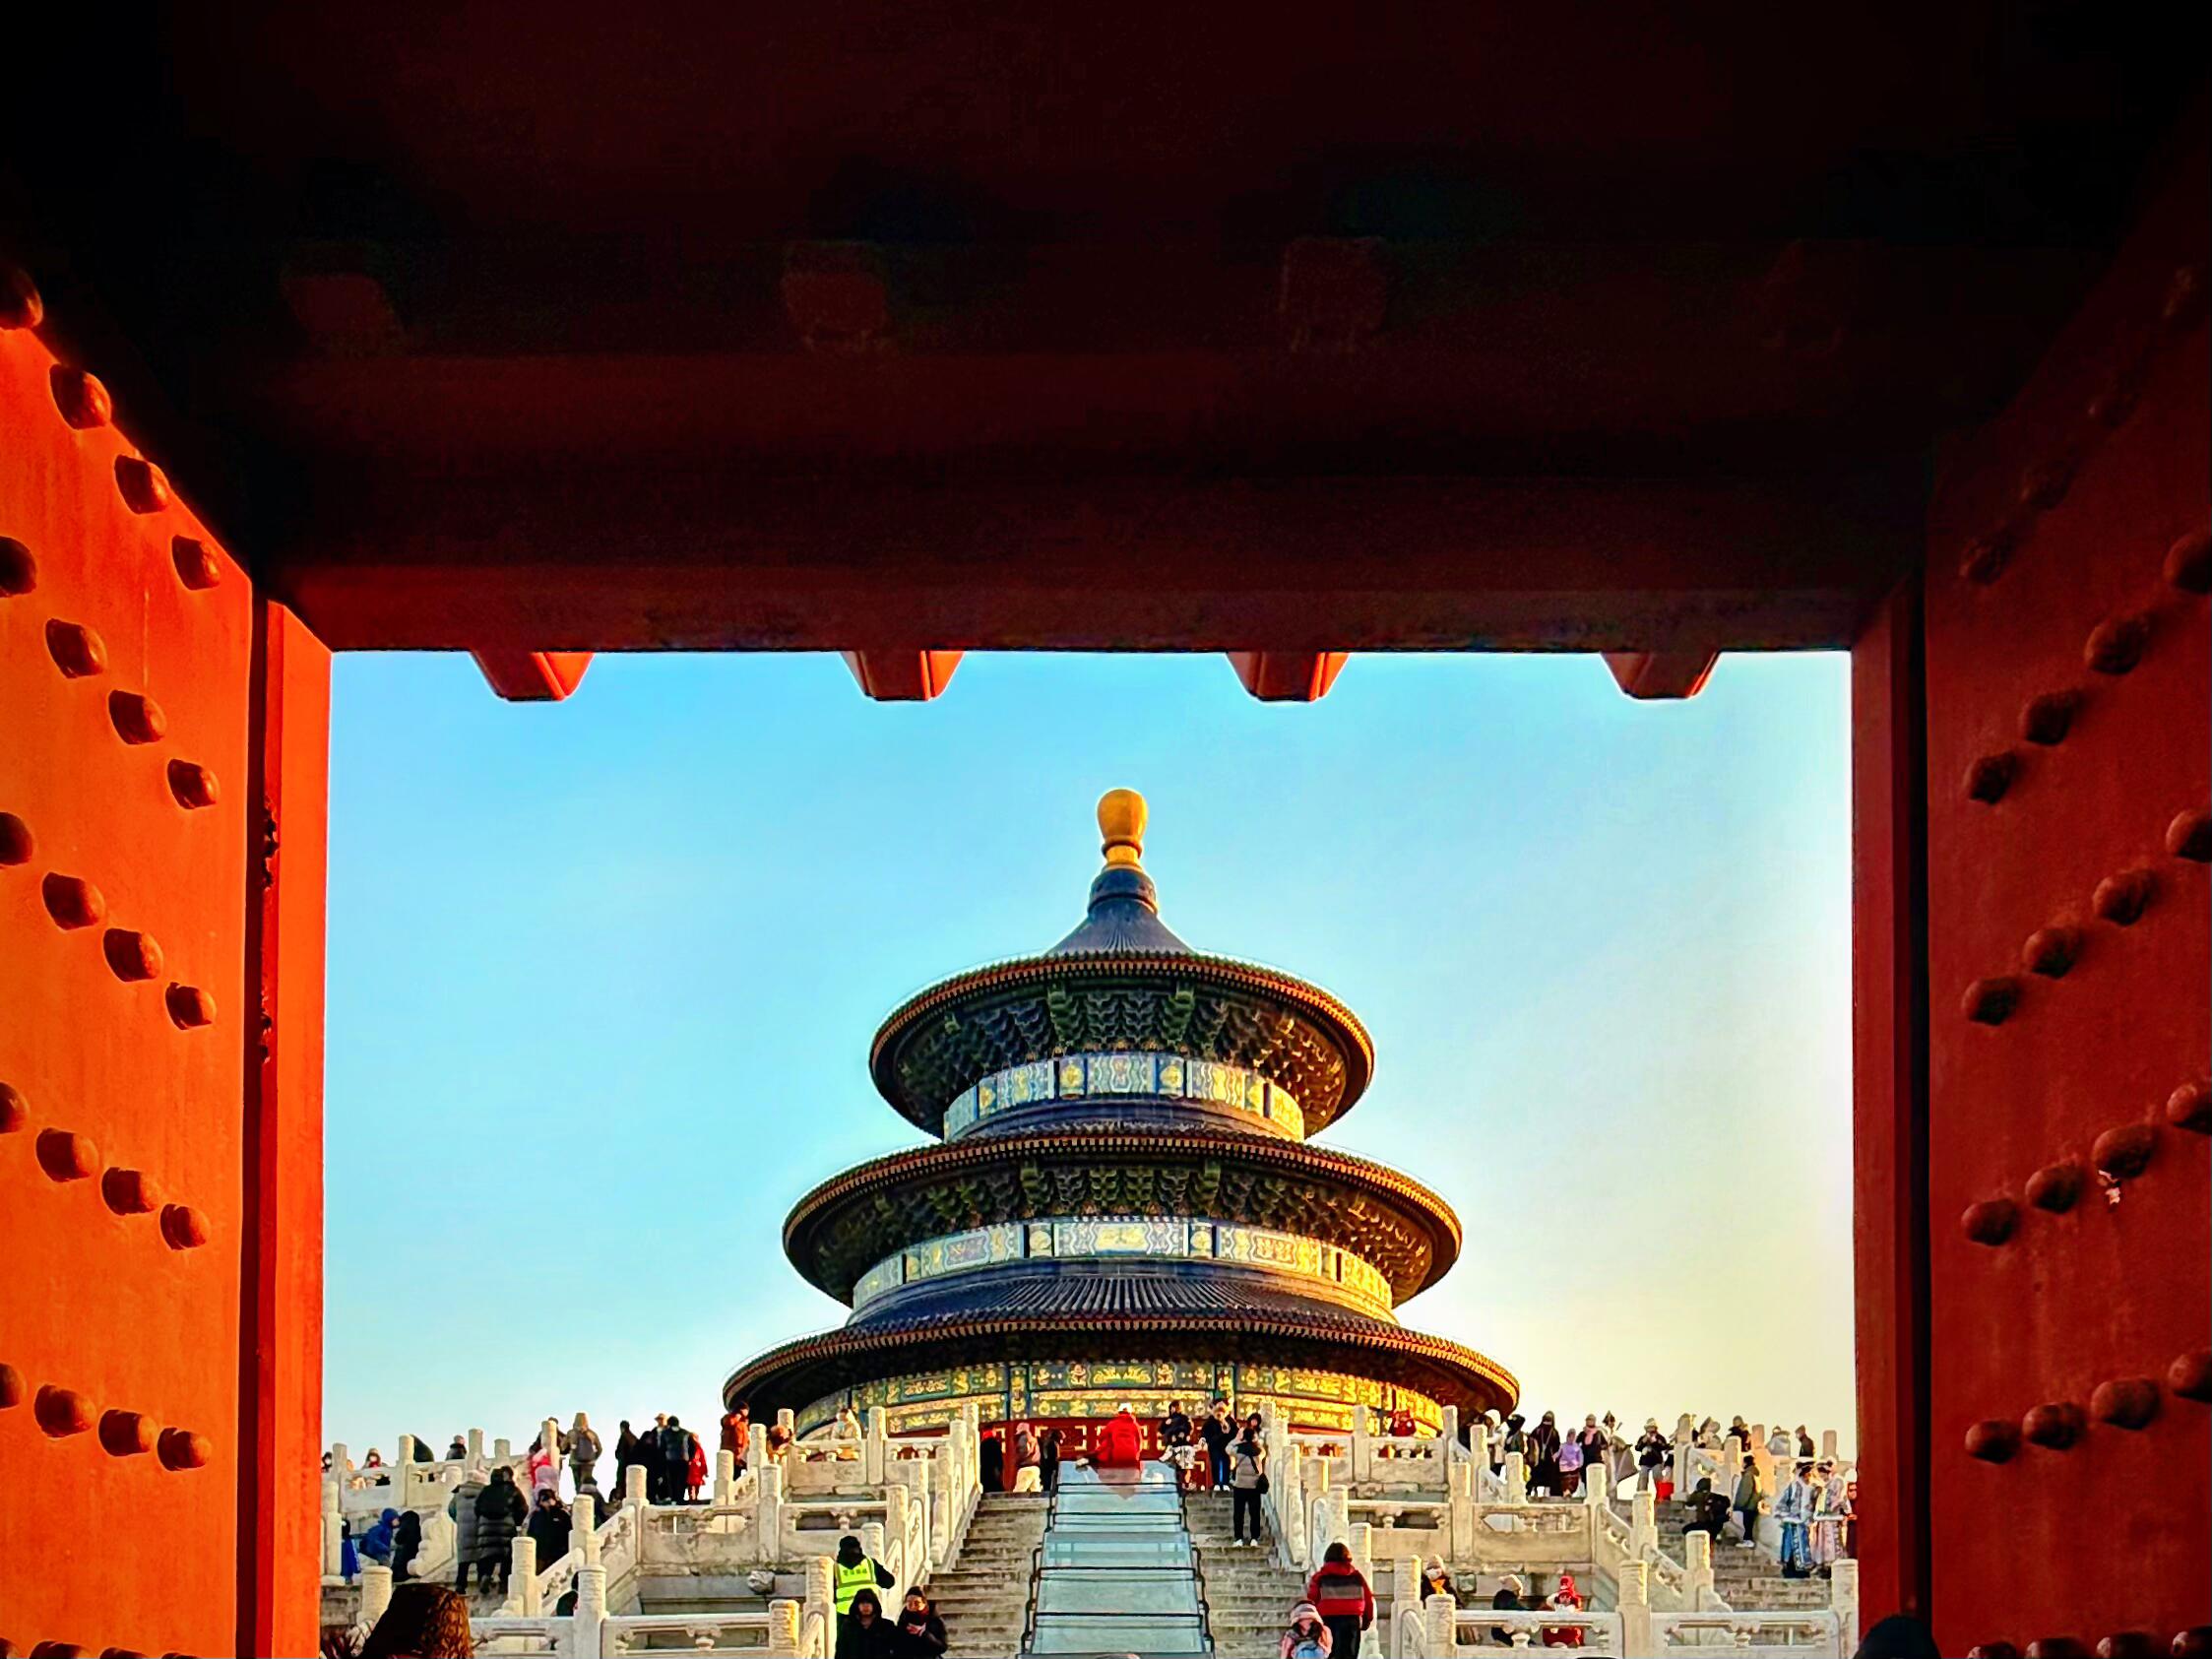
501	1513
1544	1457
865	1634
1049	1460
406	1543
550	1525
628	1450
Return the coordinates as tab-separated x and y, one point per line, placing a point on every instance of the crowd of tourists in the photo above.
1212	1449
1814	1501
490	1508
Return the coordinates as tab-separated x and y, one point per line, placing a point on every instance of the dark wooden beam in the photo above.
579	559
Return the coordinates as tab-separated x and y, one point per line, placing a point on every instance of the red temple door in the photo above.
2068	1004
163	732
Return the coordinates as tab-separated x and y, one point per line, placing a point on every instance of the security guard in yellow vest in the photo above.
855	1570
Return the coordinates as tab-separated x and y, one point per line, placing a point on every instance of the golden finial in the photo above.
1121	825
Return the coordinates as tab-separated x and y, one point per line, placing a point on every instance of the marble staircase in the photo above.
983	1596
1744	1578
1249	1593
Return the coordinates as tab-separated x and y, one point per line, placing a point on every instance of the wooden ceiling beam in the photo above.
578	560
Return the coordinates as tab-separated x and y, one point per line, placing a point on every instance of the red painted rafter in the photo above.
1287	676
902	676
1653	676
534	676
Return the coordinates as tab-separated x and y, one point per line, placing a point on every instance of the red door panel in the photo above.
130	718
2068	684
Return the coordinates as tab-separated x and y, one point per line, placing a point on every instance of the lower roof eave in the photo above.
799	1372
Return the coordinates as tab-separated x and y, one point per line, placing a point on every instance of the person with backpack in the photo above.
582	1444
1307	1638
677	1445
1247	1480
1340	1592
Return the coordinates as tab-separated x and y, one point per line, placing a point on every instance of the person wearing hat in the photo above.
1340	1592
855	1572
1434	1580
1507	1600
1620	1459
1517	1441
1119	1445
1654	1452
1307	1638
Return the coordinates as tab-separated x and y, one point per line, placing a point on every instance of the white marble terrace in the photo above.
1395	1500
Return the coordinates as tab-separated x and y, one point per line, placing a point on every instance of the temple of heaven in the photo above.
1122	1204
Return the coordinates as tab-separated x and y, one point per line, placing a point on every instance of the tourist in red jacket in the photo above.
1119	1445
1340	1591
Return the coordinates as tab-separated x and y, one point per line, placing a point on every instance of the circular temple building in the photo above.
1124	1204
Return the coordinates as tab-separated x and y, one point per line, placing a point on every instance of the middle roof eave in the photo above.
840	1229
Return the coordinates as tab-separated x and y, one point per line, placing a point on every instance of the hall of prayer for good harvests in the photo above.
1124	1204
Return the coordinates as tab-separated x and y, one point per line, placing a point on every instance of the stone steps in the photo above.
1747	1579
983	1595
1249	1593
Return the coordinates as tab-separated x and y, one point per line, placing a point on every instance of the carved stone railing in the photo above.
405	1484
1365	1461
1809	1634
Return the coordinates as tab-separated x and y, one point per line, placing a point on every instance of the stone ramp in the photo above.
1119	1574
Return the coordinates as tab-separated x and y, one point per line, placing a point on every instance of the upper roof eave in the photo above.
1303	996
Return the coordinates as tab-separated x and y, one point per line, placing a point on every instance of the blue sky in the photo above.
603	977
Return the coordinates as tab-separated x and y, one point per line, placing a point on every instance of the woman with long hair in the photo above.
423	1621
